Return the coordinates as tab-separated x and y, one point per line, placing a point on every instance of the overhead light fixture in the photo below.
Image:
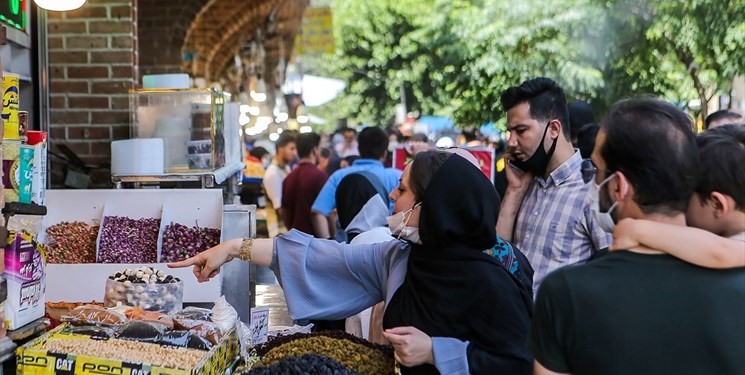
60	5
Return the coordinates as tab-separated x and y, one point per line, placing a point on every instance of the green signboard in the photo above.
13	12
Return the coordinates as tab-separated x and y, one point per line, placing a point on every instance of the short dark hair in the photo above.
372	143
423	168
652	143
348	129
580	114
285	139
721	115
470	134
326	153
586	139
306	142
546	98
258	152
722	155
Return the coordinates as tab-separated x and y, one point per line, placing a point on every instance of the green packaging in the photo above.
26	173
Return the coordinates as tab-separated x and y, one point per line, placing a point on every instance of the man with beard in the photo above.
545	210
640	311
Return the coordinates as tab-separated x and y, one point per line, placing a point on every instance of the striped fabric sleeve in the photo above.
324	279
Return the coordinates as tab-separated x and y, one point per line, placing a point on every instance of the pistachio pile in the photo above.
354	356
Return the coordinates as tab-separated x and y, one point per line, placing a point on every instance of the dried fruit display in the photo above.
354	356
126	240
307	364
262	349
71	243
181	242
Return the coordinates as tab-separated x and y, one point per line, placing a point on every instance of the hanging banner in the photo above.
316	34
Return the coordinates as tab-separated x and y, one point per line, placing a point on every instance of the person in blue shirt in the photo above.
373	145
451	308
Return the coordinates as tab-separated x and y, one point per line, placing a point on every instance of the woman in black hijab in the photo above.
451	307
452	287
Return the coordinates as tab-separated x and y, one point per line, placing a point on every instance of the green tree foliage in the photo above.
677	49
455	57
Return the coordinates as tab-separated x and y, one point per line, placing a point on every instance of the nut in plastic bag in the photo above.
93	315
165	298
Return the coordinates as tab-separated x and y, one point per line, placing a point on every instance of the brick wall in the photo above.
162	26
93	62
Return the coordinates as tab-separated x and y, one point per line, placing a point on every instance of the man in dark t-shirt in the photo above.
301	187
640	311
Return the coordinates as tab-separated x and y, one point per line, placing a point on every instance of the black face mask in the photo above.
538	162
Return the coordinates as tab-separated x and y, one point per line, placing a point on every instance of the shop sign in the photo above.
13	12
316	34
259	325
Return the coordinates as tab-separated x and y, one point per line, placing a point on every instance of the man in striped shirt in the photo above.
546	207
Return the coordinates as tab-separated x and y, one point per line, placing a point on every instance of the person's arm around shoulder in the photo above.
692	245
517	184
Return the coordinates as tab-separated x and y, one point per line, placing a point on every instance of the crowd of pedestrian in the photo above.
612	247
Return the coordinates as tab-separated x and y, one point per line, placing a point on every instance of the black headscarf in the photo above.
453	289
353	193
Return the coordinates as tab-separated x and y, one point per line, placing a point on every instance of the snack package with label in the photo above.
24	272
88	315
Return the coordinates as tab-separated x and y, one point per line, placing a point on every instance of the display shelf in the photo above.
207	179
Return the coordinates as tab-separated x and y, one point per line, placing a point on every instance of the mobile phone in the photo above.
509	162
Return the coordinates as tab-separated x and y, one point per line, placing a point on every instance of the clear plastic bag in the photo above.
224	315
141	331
94	332
93	315
194	313
165	298
185	339
205	329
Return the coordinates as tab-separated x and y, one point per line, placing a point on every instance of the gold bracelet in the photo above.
246	245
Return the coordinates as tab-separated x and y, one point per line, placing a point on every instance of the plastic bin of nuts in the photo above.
57	352
145	287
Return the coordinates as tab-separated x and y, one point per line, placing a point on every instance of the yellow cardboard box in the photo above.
31	360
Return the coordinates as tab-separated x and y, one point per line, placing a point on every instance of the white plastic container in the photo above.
165	81
137	157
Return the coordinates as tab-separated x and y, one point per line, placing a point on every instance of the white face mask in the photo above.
397	225
603	219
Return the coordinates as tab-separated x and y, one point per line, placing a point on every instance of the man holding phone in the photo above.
546	209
